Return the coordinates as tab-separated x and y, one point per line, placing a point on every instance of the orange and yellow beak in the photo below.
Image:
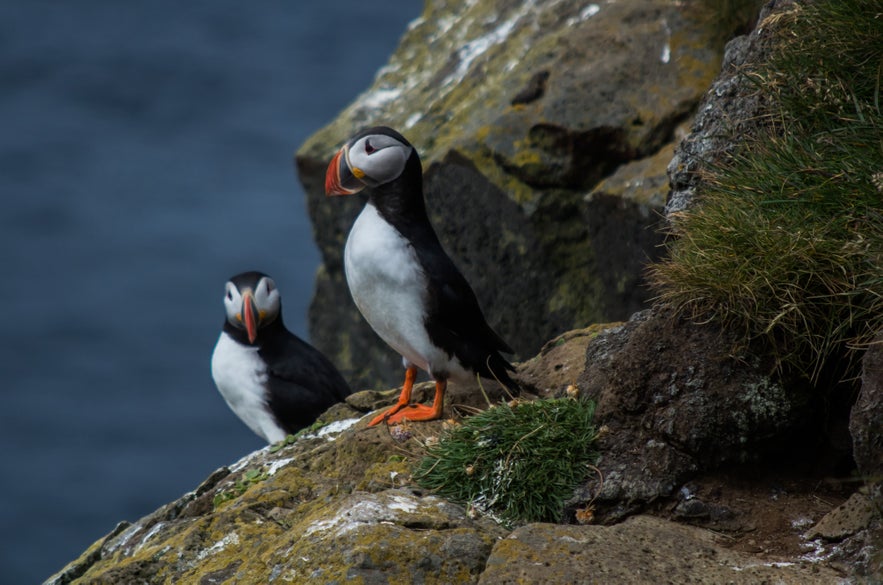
340	179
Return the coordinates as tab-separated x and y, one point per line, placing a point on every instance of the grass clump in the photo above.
516	463
786	240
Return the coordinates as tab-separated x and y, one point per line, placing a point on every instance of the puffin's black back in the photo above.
302	382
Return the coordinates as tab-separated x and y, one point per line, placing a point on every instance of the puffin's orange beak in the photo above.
340	179
249	312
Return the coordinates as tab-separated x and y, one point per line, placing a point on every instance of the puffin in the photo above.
270	378
401	279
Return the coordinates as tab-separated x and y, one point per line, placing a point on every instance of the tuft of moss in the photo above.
516	463
786	240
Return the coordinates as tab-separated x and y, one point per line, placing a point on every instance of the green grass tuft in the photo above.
517	463
786	241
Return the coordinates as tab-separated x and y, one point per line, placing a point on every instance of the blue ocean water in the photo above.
146	156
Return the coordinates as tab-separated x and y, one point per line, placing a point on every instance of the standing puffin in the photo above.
275	382
401	279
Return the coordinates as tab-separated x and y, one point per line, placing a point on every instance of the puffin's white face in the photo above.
377	158
367	161
252	308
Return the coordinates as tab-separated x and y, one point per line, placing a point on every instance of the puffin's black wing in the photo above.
454	318
302	383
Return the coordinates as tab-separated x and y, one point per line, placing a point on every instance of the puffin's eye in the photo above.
369	148
267	285
229	295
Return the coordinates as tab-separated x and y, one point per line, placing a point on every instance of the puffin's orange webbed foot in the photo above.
404	398
411	412
386	415
414	412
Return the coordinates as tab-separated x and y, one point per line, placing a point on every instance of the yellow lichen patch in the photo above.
348	459
385	475
295	482
526	156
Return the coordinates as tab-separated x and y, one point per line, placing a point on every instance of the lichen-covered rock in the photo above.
641	550
338	505
396	534
674	401
519	110
329	507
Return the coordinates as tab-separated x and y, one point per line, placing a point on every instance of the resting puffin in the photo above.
274	381
401	279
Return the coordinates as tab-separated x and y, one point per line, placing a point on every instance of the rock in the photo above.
328	506
866	422
391	536
520	113
674	401
644	181
368	400
861	522
641	550
848	518
338	504
692	509
559	364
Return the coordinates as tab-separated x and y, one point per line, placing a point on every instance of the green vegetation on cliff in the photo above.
786	242
516	463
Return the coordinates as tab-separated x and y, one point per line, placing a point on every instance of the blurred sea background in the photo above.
145	157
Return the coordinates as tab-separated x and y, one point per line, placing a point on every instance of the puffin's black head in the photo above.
371	158
252	301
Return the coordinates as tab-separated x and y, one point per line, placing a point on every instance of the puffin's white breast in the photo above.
389	288
240	375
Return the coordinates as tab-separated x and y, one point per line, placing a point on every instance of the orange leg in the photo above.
404	397
418	412
415	412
